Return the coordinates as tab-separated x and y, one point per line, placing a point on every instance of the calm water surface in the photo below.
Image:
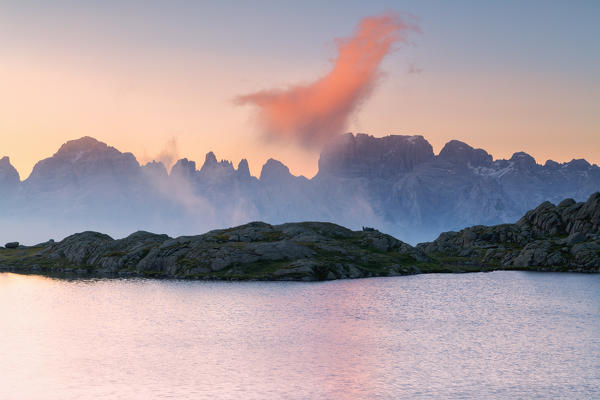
494	335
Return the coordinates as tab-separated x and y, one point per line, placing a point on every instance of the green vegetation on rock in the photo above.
555	238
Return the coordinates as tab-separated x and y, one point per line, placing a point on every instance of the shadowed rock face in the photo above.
565	237
85	162
414	193
9	177
462	154
243	169
369	157
274	171
215	171
550	237
523	161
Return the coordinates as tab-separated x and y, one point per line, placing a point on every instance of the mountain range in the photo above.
396	184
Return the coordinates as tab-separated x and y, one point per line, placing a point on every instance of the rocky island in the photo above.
563	237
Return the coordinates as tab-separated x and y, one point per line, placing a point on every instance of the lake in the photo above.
472	336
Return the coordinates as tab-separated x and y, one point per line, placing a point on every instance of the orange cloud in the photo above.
313	113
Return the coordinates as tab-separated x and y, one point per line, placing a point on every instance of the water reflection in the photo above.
472	336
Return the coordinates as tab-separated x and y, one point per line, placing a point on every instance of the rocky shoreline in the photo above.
563	237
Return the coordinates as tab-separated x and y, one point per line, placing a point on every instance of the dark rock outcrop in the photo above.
293	251
565	237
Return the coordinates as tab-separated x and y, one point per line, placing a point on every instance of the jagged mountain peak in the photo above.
5	161
460	152
274	170
523	160
184	168
83	161
551	164
9	177
155	168
367	156
210	162
578	164
210	159
85	144
394	182
243	168
215	171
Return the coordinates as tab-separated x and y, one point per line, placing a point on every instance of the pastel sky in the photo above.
143	75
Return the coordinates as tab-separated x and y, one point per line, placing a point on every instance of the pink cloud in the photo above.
313	113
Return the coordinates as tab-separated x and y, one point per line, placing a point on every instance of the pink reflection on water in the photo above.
473	335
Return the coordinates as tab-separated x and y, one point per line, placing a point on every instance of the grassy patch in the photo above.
28	258
222	237
273	236
188	263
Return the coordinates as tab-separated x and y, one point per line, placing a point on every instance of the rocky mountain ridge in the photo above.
395	183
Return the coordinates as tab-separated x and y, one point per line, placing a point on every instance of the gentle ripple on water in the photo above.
493	335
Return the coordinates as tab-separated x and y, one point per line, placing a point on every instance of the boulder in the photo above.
575	238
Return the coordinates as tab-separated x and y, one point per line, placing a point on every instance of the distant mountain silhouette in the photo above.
395	183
